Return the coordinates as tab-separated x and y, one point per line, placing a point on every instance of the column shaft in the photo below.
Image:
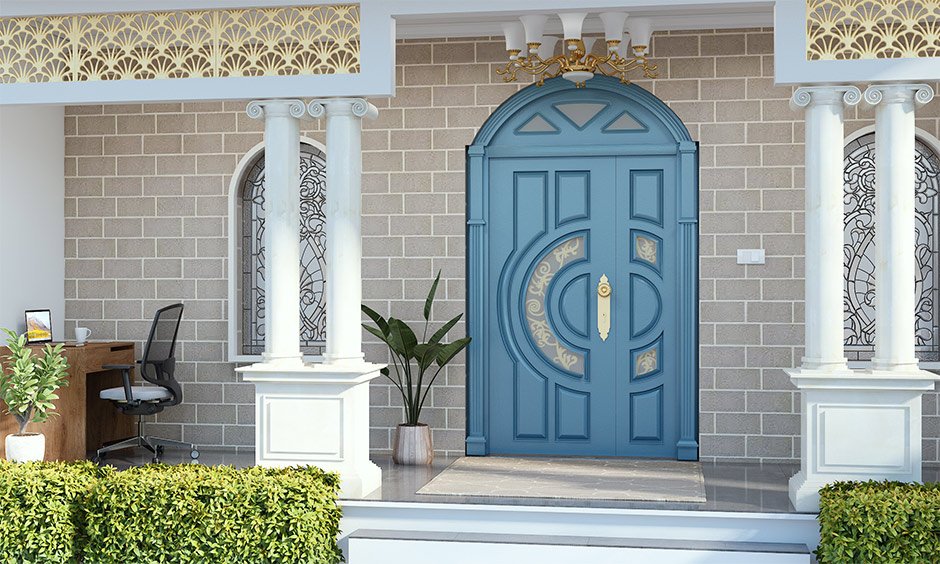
824	223
281	228
894	223
343	225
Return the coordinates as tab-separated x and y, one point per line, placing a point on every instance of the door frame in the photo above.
478	154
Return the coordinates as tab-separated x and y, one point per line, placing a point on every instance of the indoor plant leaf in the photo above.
439	334
376	318
430	301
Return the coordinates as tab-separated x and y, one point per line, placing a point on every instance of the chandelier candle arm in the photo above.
576	63
534	26
613	28
640	31
572	22
547	49
515	39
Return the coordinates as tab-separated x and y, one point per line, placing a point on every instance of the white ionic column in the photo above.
315	413
894	222
343	225
855	424
824	222
281	227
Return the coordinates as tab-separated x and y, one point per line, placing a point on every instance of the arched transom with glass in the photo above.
251	254
859	249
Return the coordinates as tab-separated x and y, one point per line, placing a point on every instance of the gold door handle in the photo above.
603	307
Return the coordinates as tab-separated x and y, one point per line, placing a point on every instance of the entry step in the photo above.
375	545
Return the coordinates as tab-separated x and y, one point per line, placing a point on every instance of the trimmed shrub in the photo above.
41	510
883	522
199	514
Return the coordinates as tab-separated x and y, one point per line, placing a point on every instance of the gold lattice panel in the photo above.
872	29
187	44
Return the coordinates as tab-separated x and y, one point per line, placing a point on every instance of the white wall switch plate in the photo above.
751	256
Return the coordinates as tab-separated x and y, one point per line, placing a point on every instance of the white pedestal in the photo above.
857	425
317	415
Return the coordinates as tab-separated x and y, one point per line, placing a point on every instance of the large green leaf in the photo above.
439	334
430	300
377	333
449	351
375	317
426	354
401	338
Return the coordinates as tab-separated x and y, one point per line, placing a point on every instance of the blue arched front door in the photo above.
582	278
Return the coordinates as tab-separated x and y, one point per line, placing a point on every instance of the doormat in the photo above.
616	479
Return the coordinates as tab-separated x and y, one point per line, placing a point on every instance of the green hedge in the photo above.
192	514
41	510
882	522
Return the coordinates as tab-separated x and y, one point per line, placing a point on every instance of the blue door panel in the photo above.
647	397
543	305
573	305
543	230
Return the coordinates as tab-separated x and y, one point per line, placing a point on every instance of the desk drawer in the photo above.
98	355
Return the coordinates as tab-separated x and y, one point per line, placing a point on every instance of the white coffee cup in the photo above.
82	334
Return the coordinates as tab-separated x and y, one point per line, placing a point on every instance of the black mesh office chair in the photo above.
156	366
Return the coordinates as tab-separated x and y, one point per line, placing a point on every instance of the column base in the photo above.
317	415
283	360
857	425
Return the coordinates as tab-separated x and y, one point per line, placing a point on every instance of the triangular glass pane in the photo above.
537	124
580	113
625	122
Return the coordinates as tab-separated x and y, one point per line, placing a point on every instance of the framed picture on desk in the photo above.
38	326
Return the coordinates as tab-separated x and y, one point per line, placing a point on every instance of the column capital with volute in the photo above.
276	108
804	96
901	93
342	107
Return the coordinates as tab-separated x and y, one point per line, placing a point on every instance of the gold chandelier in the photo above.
578	64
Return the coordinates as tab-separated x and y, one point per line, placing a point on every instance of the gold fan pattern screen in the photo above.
288	41
872	29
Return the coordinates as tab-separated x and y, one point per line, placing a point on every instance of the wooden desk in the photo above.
85	421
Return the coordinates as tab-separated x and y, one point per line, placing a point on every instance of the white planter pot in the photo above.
28	447
413	445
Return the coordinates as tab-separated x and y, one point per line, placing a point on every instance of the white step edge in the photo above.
742	526
419	547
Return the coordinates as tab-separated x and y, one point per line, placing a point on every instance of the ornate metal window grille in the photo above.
312	253
860	249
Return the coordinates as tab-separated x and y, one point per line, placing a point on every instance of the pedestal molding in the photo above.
857	425
316	415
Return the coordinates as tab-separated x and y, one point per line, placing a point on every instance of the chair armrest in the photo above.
126	376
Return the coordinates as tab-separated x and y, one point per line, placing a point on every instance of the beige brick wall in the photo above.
146	212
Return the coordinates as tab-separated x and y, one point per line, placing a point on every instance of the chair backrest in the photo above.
159	363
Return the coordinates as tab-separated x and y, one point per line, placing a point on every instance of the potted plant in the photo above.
28	388
417	365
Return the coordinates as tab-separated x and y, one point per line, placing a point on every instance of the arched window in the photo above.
247	255
859	246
